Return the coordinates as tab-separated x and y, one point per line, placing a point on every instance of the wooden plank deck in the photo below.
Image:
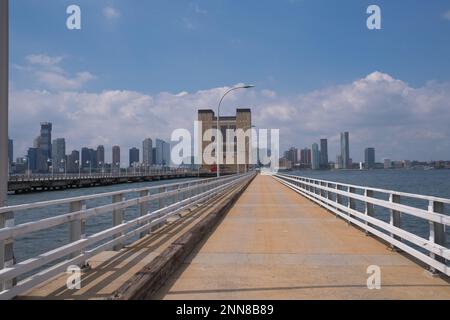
276	244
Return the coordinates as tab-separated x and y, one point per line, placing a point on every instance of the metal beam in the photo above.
7	218
4	58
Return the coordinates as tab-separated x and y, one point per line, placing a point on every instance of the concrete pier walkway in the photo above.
275	244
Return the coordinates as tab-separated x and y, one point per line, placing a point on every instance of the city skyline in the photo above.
93	101
49	154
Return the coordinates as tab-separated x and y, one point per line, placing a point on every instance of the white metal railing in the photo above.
341	199
82	247
98	175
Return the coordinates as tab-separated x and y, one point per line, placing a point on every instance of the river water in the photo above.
432	182
43	241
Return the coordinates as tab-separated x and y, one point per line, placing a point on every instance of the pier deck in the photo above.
276	244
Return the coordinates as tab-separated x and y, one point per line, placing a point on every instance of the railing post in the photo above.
338	196
77	227
369	207
395	216
117	219
162	200
7	258
437	231
143	210
329	194
351	201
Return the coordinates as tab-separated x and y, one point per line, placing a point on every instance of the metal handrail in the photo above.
199	191
322	193
36	205
386	191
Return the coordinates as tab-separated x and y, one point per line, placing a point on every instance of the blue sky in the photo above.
288	48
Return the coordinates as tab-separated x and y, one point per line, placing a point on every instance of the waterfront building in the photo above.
45	139
345	151
305	157
387	163
32	156
59	155
73	162
88	158
116	157
243	121
324	153
147	152
291	155
134	157
315	157
338	164
369	158
100	157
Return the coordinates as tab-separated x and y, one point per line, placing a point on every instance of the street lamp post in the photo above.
7	246
65	167
79	168
218	145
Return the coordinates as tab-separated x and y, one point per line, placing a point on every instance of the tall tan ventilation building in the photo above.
242	120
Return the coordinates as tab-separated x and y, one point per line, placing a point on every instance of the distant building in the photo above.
285	164
73	162
162	153
116	156
338	164
88	158
100	157
345	151
242	120
166	154
369	158
324	153
387	163
45	139
292	155
147	152
315	157
59	155
305	157
32	159
134	157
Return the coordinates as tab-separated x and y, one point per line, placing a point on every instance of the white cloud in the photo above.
447	15
43	60
49	73
54	80
111	13
379	111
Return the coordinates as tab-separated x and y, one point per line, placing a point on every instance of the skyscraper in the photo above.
324	153
166	154
116	156
345	151
147	152
291	155
159	147
100	156
88	158
305	157
59	155
134	157
73	162
369	158
315	157
32	156
45	139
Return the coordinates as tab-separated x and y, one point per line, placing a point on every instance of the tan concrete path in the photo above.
275	244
